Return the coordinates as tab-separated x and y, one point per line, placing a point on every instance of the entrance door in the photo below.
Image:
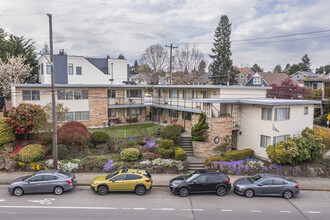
234	146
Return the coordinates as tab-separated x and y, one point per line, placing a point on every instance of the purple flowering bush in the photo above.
108	165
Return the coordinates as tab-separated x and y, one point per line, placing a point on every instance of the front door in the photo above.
211	182
118	183
234	140
264	187
34	185
198	184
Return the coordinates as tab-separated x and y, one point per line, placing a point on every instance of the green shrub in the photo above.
62	151
130	154
219	158
165	153
95	161
238	155
166	143
171	132
148	156
197	131
158	131
283	152
314	143
323	120
179	153
6	134
31	153
99	137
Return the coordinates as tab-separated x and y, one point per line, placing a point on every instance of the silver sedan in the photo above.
45	181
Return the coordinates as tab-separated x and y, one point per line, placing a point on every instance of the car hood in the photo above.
18	180
181	178
99	178
242	181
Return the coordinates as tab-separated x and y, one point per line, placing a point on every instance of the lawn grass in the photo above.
133	130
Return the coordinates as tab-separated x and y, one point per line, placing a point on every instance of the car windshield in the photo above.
111	175
189	175
27	177
192	177
254	178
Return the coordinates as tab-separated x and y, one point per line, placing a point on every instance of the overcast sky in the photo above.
100	27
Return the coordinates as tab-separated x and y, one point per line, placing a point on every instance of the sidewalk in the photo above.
162	180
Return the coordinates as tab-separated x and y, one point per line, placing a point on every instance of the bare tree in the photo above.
14	71
156	58
187	58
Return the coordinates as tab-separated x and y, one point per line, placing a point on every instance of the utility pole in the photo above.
53	92
171	46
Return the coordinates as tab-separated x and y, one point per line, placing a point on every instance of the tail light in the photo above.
69	181
228	181
147	180
297	186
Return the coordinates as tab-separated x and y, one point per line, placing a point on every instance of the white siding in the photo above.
242	93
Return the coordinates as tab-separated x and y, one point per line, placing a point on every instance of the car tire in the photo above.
58	190
221	191
249	193
184	191
140	190
287	194
102	190
18	191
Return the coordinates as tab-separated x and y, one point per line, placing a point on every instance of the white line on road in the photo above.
226	210
163	209
285	211
2	200
255	210
313	212
198	210
139	208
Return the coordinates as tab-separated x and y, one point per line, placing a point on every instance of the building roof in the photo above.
273	78
243	70
260	101
141	76
306	73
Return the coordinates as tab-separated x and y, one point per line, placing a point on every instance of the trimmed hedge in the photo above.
130	154
99	137
239	154
73	133
166	143
165	153
31	153
171	132
179	154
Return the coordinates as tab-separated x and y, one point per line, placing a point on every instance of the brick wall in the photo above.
219	127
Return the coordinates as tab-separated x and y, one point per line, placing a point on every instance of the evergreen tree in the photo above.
306	63
222	64
121	56
278	69
287	67
197	131
323	69
258	68
61	52
201	67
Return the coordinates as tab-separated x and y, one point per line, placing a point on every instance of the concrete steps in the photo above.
186	144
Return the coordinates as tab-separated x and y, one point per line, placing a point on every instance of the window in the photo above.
36	178
85	116
84	94
68	94
61	94
188	94
134	93
264	141
282	114
267	182
306	110
42	69
26	94
111	94
201	178
35	94
133	177
256	80
120	177
173	94
70	69
69	116
186	116
160	93
279	182
78	70
173	113
134	111
49	68
212	178
31	94
280	138
50	177
112	112
77	116
266	114
77	94
206	94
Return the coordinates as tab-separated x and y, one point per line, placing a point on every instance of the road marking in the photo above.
2	200
46	201
313	212
285	211
199	210
255	210
163	209
226	210
58	207
139	208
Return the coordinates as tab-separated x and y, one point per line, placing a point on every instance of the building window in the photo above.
69	116
78	70
280	138
160	93
186	116
31	94
49	68
42	69
77	116
111	112
84	94
266	114
61	94
68	94
72	94
256	80
188	94
282	114
134	93
70	68
111	94
173	113
134	111
206	94
173	94
264	141
306	110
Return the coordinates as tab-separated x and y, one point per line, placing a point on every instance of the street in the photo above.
159	203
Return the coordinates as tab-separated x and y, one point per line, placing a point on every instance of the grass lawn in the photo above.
133	130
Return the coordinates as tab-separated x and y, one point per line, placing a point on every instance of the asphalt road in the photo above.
159	204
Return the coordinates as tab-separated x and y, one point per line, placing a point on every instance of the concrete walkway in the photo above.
162	180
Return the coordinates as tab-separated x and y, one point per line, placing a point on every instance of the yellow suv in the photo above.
135	180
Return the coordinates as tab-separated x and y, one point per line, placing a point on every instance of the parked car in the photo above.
190	174
44	181
213	182
266	184
134	180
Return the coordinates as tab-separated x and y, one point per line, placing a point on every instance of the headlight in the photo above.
94	183
175	185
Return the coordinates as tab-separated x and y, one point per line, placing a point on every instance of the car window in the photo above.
36	178
212	178
267	182
201	178
279	182
146	174
120	177
133	177
27	177
189	175
50	177
192	177
111	175
254	178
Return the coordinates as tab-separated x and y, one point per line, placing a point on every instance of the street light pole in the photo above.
53	93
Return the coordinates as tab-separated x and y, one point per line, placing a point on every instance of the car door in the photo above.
198	184
118	183
211	182
34	184
131	181
278	187
49	182
264	187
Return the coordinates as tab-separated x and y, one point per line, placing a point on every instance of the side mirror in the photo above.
113	180
260	184
194	181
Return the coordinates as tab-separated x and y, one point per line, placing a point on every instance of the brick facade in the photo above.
219	127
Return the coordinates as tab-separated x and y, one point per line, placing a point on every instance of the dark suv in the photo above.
202	183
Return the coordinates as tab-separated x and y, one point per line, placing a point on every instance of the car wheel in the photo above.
18	191
58	190
102	190
287	194
140	190
183	192
221	191
249	193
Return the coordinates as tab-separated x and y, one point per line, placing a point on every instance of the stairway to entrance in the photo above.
186	144
194	163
